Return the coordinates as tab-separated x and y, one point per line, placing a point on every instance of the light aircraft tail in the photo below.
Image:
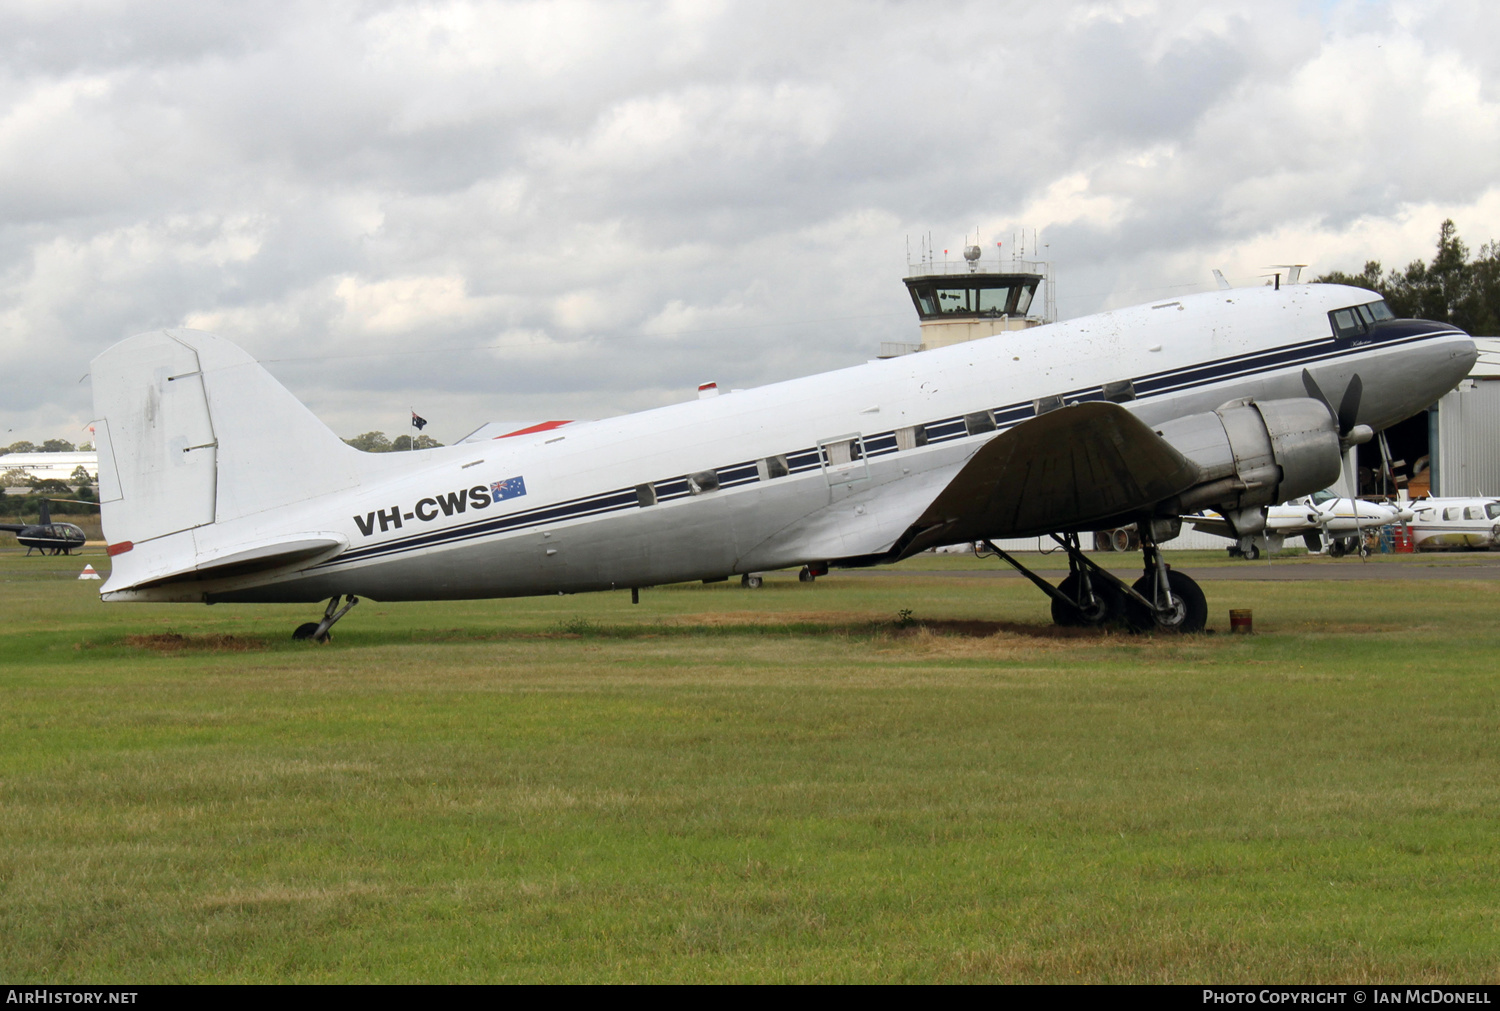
191	432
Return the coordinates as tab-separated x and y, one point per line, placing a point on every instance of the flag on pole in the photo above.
417	421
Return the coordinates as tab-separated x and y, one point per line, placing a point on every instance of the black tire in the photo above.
1336	548
1314	542
309	630
806	575
1190	615
1252	552
1108	602
750	582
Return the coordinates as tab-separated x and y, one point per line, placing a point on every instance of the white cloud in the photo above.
608	202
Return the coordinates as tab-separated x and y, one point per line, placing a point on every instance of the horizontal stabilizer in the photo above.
1073	468
300	551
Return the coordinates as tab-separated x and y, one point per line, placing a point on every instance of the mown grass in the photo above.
720	784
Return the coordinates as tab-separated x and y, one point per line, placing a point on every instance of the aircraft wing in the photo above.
1210	523
1075	468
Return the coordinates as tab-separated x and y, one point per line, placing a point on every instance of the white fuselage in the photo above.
1440	524
614	503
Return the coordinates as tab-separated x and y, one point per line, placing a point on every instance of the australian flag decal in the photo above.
511	487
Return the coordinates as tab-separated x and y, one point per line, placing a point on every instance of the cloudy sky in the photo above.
565	209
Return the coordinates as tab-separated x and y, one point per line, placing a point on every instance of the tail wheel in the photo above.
1188	613
1105	608
750	582
309	629
806	575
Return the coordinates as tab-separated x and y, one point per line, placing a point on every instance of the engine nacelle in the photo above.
1254	454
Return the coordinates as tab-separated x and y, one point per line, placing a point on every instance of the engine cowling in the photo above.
1254	454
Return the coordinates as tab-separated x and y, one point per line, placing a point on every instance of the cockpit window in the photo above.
1357	320
1492	509
1319	497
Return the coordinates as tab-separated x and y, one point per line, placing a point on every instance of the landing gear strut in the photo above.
1161	600
317	631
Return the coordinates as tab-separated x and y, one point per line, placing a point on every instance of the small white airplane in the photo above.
1442	524
219	486
1282	521
1342	521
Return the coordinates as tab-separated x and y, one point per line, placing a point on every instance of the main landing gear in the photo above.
317	631
1161	600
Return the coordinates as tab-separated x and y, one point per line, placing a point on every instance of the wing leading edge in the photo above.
1080	467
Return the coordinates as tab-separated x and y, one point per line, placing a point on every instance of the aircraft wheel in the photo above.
750	582
1336	548
1105	609
1189	613
806	575
1252	552
1314	542
309	629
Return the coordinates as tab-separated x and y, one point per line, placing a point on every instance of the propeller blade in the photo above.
1316	392
1349	407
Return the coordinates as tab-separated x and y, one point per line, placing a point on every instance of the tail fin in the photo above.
192	431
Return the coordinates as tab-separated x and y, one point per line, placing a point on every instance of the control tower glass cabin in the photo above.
960	301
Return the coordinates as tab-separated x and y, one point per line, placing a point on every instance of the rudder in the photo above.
192	431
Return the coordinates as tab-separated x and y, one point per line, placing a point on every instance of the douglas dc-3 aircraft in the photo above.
219	486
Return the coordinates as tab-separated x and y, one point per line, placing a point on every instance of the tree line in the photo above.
378	442
1454	288
50	446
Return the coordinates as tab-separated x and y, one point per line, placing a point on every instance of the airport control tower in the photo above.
963	300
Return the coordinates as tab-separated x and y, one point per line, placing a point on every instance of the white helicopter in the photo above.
219	486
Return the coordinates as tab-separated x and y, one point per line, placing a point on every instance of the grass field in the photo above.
789	784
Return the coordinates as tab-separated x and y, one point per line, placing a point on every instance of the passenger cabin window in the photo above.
1045	405
911	438
1357	320
1492	510
1452	513
1474	513
979	422
703	482
771	468
842	452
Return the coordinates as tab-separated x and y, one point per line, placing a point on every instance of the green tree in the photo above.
80	475
57	446
1452	288
377	442
19	447
403	443
371	442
